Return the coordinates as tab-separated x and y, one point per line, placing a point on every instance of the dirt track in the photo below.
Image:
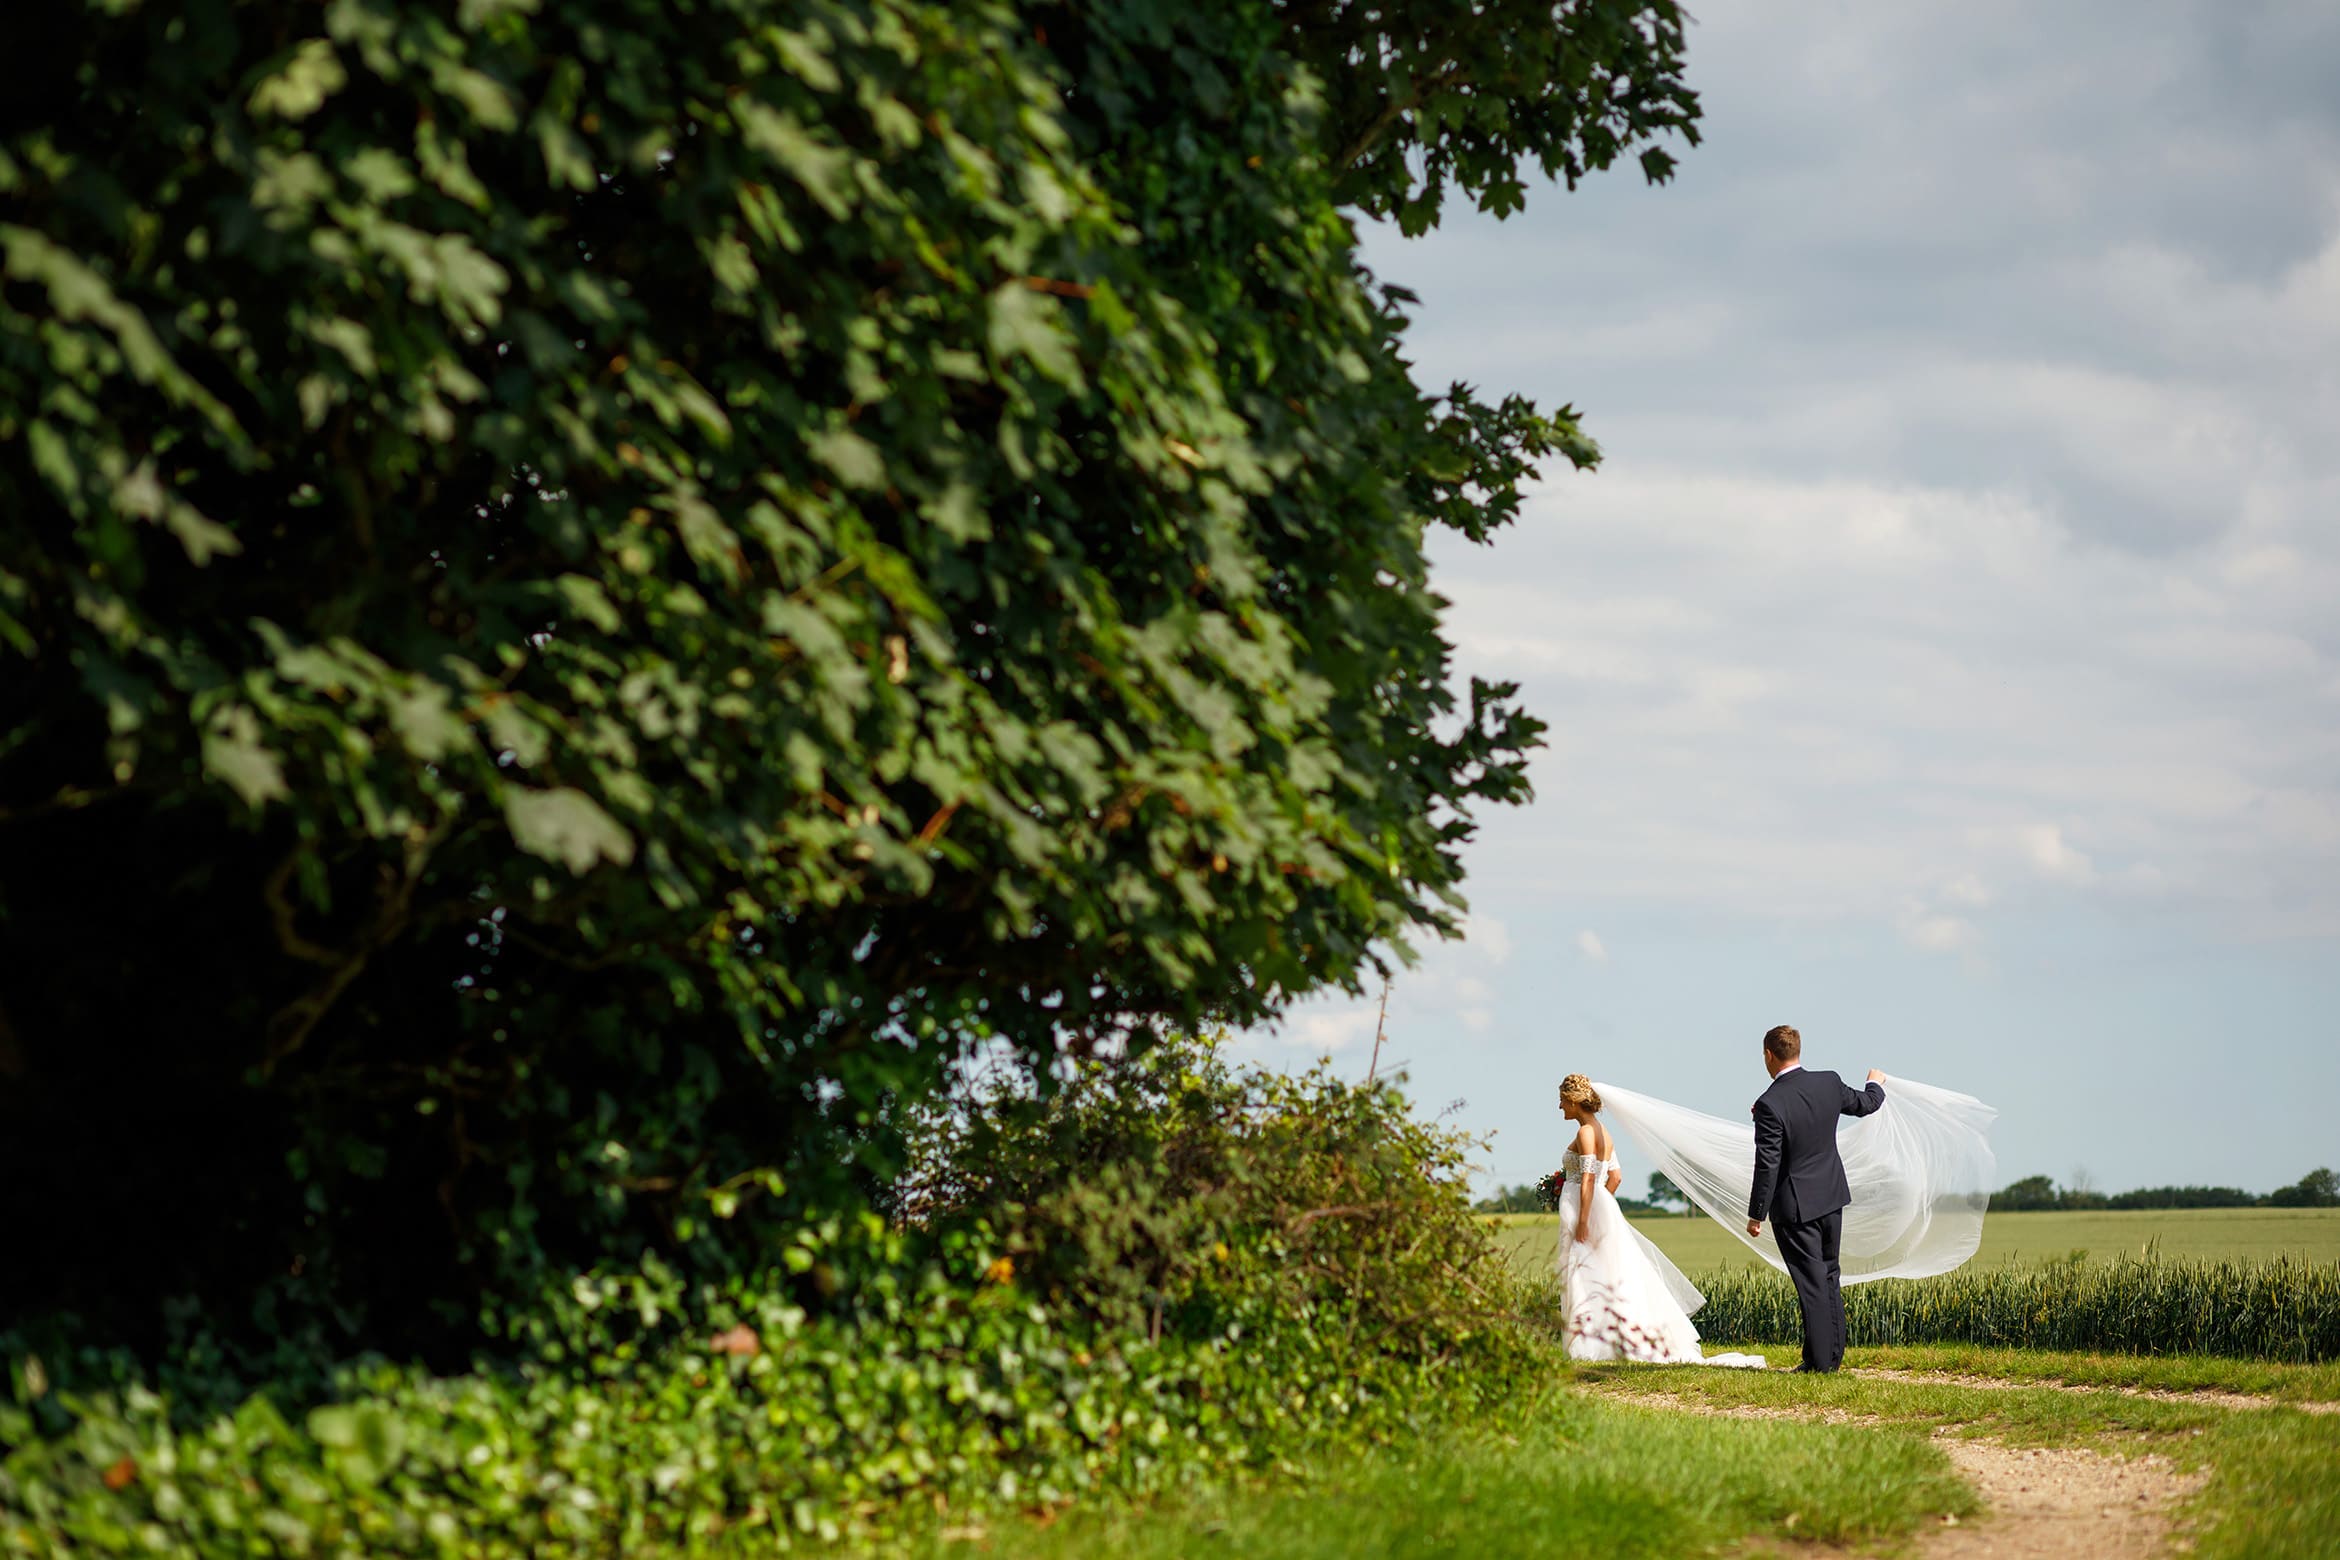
2044	1503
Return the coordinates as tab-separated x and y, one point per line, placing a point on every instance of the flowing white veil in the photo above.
1921	1171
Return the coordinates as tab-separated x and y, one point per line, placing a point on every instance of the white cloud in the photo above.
2038	847
1331	1029
2044	845
1932	932
1458	982
1966	891
1488	936
1825	699
1592	947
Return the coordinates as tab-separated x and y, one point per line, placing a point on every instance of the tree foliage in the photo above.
1663	1193
1423	95
2317	1189
590	592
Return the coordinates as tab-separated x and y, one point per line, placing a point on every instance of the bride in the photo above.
1625	1300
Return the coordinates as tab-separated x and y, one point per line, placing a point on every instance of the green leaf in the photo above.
825	172
201	537
468	280
312	75
853	459
426	723
486	99
1029	324
515	732
589	601
807	56
233	753
334	1425
474	15
565	825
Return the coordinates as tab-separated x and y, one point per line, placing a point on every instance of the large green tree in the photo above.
589	591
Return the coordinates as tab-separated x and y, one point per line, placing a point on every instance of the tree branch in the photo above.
289	1030
1452	76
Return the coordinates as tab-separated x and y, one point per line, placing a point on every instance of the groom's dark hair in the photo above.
1783	1044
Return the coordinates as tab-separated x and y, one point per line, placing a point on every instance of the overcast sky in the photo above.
1946	658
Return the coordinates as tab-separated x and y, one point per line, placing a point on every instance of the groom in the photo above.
1798	1173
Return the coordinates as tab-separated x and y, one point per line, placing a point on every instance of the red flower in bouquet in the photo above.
1548	1191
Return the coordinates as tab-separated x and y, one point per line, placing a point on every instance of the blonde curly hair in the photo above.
1576	1089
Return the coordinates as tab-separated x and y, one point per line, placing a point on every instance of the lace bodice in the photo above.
1577	1166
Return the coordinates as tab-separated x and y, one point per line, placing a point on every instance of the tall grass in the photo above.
2277	1308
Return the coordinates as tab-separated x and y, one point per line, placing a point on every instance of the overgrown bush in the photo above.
2276	1308
1198	1269
1174	1192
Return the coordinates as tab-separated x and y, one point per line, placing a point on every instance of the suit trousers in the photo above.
1810	1248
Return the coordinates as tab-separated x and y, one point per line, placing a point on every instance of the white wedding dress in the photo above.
1625	1300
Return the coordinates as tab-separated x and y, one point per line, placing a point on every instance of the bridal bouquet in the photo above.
1548	1191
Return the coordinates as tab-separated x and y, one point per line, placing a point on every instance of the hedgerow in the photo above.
1300	1265
758	1427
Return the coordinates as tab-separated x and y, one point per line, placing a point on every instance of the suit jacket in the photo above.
1798	1174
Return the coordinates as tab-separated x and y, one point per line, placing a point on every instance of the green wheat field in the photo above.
1698	1245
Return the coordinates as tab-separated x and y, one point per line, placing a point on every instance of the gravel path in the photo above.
2061	1501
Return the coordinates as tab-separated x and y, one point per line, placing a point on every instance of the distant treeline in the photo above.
2037	1193
1664	1197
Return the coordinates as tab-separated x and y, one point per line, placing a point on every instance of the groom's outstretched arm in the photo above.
1864	1100
1769	1136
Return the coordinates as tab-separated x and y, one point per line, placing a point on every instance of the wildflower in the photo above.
1001	1271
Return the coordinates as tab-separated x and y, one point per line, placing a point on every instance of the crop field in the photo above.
1699	1245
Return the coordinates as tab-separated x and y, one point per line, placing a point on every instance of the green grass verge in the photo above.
1559	1475
2022	1416
2273	1494
2159	1373
1697	1244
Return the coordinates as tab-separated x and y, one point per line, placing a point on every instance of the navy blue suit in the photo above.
1800	1188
